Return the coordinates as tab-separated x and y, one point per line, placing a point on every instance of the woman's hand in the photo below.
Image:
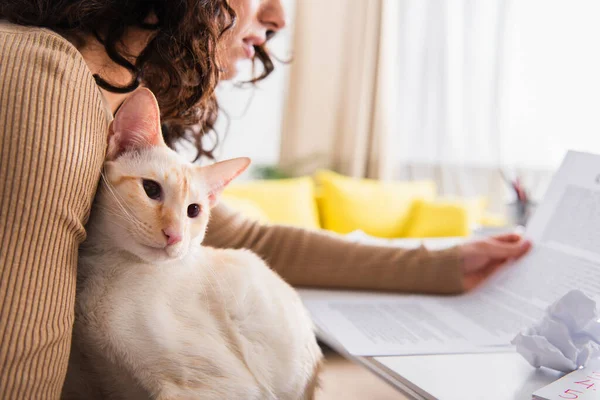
482	257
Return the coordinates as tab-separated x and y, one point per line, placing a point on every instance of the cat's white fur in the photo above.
179	321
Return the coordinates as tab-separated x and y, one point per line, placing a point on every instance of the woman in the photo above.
59	88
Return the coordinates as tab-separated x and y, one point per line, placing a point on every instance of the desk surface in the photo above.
343	379
480	376
486	376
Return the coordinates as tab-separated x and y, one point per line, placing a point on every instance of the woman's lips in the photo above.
248	50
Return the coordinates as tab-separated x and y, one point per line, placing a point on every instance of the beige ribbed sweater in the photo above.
53	128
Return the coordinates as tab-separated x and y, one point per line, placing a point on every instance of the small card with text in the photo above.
581	384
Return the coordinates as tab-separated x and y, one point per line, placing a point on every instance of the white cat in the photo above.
158	315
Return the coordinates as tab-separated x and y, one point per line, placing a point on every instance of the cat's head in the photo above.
152	203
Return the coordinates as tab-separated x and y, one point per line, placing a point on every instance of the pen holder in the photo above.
519	212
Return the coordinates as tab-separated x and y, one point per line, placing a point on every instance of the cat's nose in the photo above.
172	235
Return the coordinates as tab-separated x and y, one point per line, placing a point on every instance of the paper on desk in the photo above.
430	243
566	232
582	384
567	336
372	324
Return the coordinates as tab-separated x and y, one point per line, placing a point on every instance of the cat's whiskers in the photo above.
135	234
136	227
141	228
119	225
122	204
120	216
112	212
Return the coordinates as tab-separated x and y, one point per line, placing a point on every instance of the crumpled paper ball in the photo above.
566	338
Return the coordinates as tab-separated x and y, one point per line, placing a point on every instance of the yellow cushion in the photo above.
489	219
475	206
477	210
283	201
247	208
377	208
438	219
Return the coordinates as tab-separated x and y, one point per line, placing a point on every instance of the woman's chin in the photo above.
229	72
240	68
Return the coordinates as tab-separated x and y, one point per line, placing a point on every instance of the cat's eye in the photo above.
193	210
152	189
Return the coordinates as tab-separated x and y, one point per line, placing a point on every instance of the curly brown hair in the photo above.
178	64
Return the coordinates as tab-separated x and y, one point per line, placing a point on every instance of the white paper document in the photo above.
429	243
565	231
582	384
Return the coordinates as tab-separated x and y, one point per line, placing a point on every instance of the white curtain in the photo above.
552	70
486	85
450	90
449	62
399	89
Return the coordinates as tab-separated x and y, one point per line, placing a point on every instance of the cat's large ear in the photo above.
218	175
136	125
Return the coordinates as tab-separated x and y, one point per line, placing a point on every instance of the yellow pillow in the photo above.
247	208
489	219
378	208
475	206
438	219
477	210
283	201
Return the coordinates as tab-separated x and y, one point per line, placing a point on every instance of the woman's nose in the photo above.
272	15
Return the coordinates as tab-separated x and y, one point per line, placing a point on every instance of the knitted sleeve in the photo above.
52	141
